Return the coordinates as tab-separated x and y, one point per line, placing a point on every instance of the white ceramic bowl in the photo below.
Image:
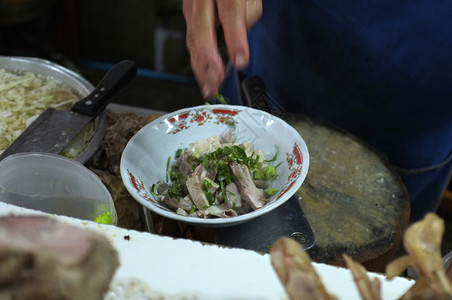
144	159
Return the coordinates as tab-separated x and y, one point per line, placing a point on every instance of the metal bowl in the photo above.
80	86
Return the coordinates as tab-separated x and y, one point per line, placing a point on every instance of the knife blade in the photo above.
54	129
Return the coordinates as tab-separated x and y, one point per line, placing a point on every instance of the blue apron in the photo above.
381	70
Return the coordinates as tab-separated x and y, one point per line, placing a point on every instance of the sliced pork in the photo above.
248	190
41	258
230	175
183	165
201	172
227	138
295	271
234	200
216	210
207	145
197	195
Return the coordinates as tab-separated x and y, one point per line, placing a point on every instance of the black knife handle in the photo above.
253	88
115	79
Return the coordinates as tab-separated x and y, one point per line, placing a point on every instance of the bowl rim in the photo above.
213	222
47	64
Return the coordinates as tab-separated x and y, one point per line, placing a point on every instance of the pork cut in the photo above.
41	258
248	190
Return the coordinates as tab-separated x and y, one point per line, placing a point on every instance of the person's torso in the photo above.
380	69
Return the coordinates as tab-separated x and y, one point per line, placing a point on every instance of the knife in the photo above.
54	129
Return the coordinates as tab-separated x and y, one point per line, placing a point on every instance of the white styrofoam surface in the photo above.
185	269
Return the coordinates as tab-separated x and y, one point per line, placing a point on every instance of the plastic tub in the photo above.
54	184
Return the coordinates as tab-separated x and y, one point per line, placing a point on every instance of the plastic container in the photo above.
54	184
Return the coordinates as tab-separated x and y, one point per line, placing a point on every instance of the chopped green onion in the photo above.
206	184
271	191
178	153
167	168
217	161
275	156
153	192
104	218
258	174
223	191
270	172
210	197
220	98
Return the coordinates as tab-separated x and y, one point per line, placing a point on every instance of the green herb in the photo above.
270	172
258	174
223	191
167	168
270	191
206	184
220	98
176	189
274	156
153	191
104	218
267	173
206	187
218	161
178	153
209	196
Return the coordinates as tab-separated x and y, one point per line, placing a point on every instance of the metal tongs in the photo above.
286	220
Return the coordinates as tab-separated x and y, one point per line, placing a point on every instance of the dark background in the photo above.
89	36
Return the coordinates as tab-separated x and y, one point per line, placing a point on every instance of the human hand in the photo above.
202	18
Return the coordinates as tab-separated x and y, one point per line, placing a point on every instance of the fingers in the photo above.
201	19
236	17
232	15
253	12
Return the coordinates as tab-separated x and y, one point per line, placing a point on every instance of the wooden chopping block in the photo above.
354	201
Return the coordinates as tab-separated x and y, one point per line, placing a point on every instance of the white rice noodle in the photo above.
23	97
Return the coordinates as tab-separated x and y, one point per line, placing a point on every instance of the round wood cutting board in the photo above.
354	201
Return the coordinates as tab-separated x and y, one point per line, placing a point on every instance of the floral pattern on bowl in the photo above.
144	159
